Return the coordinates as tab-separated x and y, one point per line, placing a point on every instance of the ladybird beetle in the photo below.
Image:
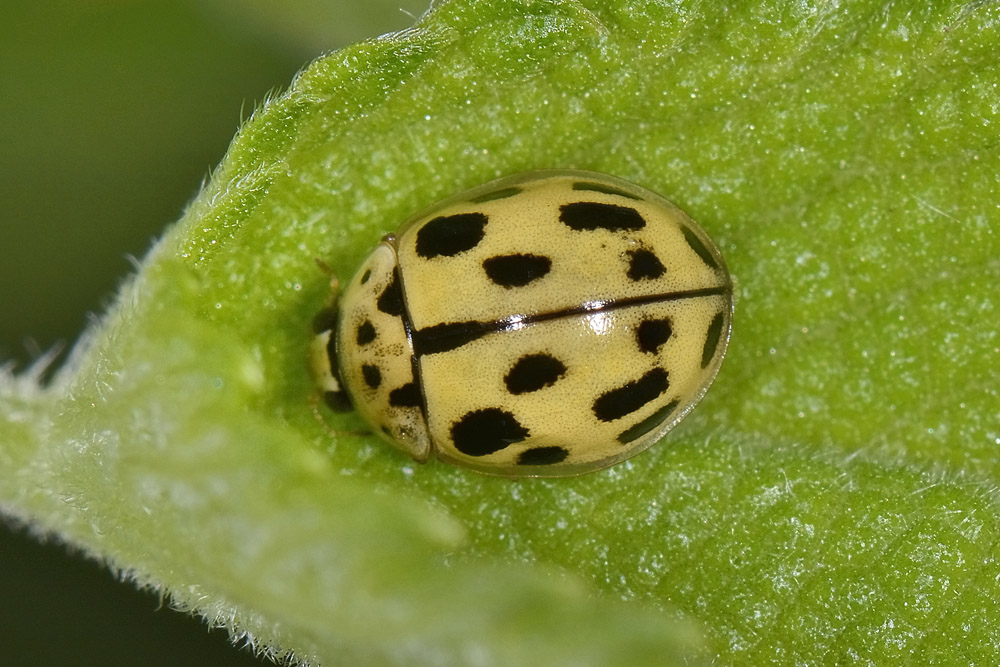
549	323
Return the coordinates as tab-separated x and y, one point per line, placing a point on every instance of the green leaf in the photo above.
832	500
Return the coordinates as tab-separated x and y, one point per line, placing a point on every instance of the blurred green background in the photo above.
112	113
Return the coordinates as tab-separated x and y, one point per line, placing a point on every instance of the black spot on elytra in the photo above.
407	396
447	236
325	320
631	396
712	340
365	276
516	270
338	401
588	216
643	265
647	424
542	456
372	375
365	333
604	189
448	336
533	372
486	431
390	301
699	247
494	195
651	334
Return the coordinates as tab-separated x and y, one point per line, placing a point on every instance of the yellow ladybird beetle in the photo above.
549	323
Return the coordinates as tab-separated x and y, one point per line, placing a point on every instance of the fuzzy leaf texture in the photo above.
833	499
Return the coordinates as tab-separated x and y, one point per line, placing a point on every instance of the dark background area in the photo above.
112	113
